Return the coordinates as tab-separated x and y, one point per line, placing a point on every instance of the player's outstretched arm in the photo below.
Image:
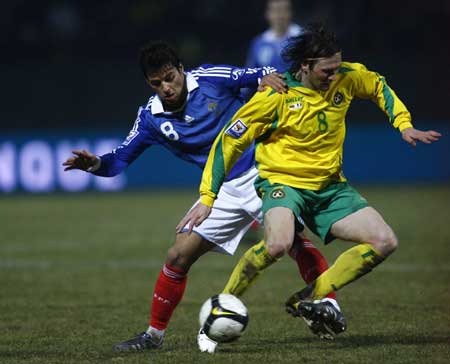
194	217
411	135
82	159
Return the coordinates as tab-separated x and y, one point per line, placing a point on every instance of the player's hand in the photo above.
82	159
194	217
274	80
411	135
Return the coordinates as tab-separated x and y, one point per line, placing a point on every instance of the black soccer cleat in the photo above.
143	341
292	305
323	318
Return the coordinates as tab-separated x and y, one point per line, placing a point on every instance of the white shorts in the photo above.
236	207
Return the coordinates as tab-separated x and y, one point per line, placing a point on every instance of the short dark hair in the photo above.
314	42
155	55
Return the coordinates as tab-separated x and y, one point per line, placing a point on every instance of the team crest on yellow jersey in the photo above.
237	129
277	194
294	103
297	105
338	98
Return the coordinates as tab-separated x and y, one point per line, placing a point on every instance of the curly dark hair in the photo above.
155	55
314	42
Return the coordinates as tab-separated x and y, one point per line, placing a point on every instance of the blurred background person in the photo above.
265	49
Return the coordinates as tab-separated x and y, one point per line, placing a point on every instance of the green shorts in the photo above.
318	209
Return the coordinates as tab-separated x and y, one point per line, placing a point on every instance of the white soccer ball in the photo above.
223	317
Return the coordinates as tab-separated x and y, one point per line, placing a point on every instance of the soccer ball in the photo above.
223	317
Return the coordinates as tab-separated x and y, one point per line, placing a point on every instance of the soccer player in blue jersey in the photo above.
185	115
266	48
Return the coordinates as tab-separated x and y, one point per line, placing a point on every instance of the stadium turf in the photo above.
77	274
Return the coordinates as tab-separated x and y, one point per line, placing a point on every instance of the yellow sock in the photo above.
249	267
349	266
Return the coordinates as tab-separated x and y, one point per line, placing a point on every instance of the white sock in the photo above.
155	332
332	301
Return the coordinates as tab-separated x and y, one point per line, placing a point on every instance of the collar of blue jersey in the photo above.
293	30
157	106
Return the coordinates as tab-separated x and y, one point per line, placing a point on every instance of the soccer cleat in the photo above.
322	317
326	321
143	341
292	305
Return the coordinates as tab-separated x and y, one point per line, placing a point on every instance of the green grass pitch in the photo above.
77	275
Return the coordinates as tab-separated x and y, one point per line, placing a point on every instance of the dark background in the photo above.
73	64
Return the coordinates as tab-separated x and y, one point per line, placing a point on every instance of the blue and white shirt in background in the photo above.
266	49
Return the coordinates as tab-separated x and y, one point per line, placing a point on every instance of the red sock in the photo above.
310	261
169	290
255	225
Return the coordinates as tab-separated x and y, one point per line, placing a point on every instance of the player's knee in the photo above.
386	241
177	258
172	256
391	242
277	250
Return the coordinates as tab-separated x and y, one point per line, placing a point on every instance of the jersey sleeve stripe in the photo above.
218	168
134	131
388	100
211	71
211	75
214	68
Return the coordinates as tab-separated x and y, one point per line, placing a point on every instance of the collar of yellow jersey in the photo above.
291	81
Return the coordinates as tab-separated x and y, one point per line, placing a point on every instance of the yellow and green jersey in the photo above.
298	135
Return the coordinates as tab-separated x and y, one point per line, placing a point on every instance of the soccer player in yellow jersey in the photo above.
299	138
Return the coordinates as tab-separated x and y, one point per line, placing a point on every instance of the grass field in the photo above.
77	274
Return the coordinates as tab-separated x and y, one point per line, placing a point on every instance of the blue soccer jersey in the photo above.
213	98
266	49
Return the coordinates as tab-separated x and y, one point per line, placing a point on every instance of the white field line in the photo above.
42	264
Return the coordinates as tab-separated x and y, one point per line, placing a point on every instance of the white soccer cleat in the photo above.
205	344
